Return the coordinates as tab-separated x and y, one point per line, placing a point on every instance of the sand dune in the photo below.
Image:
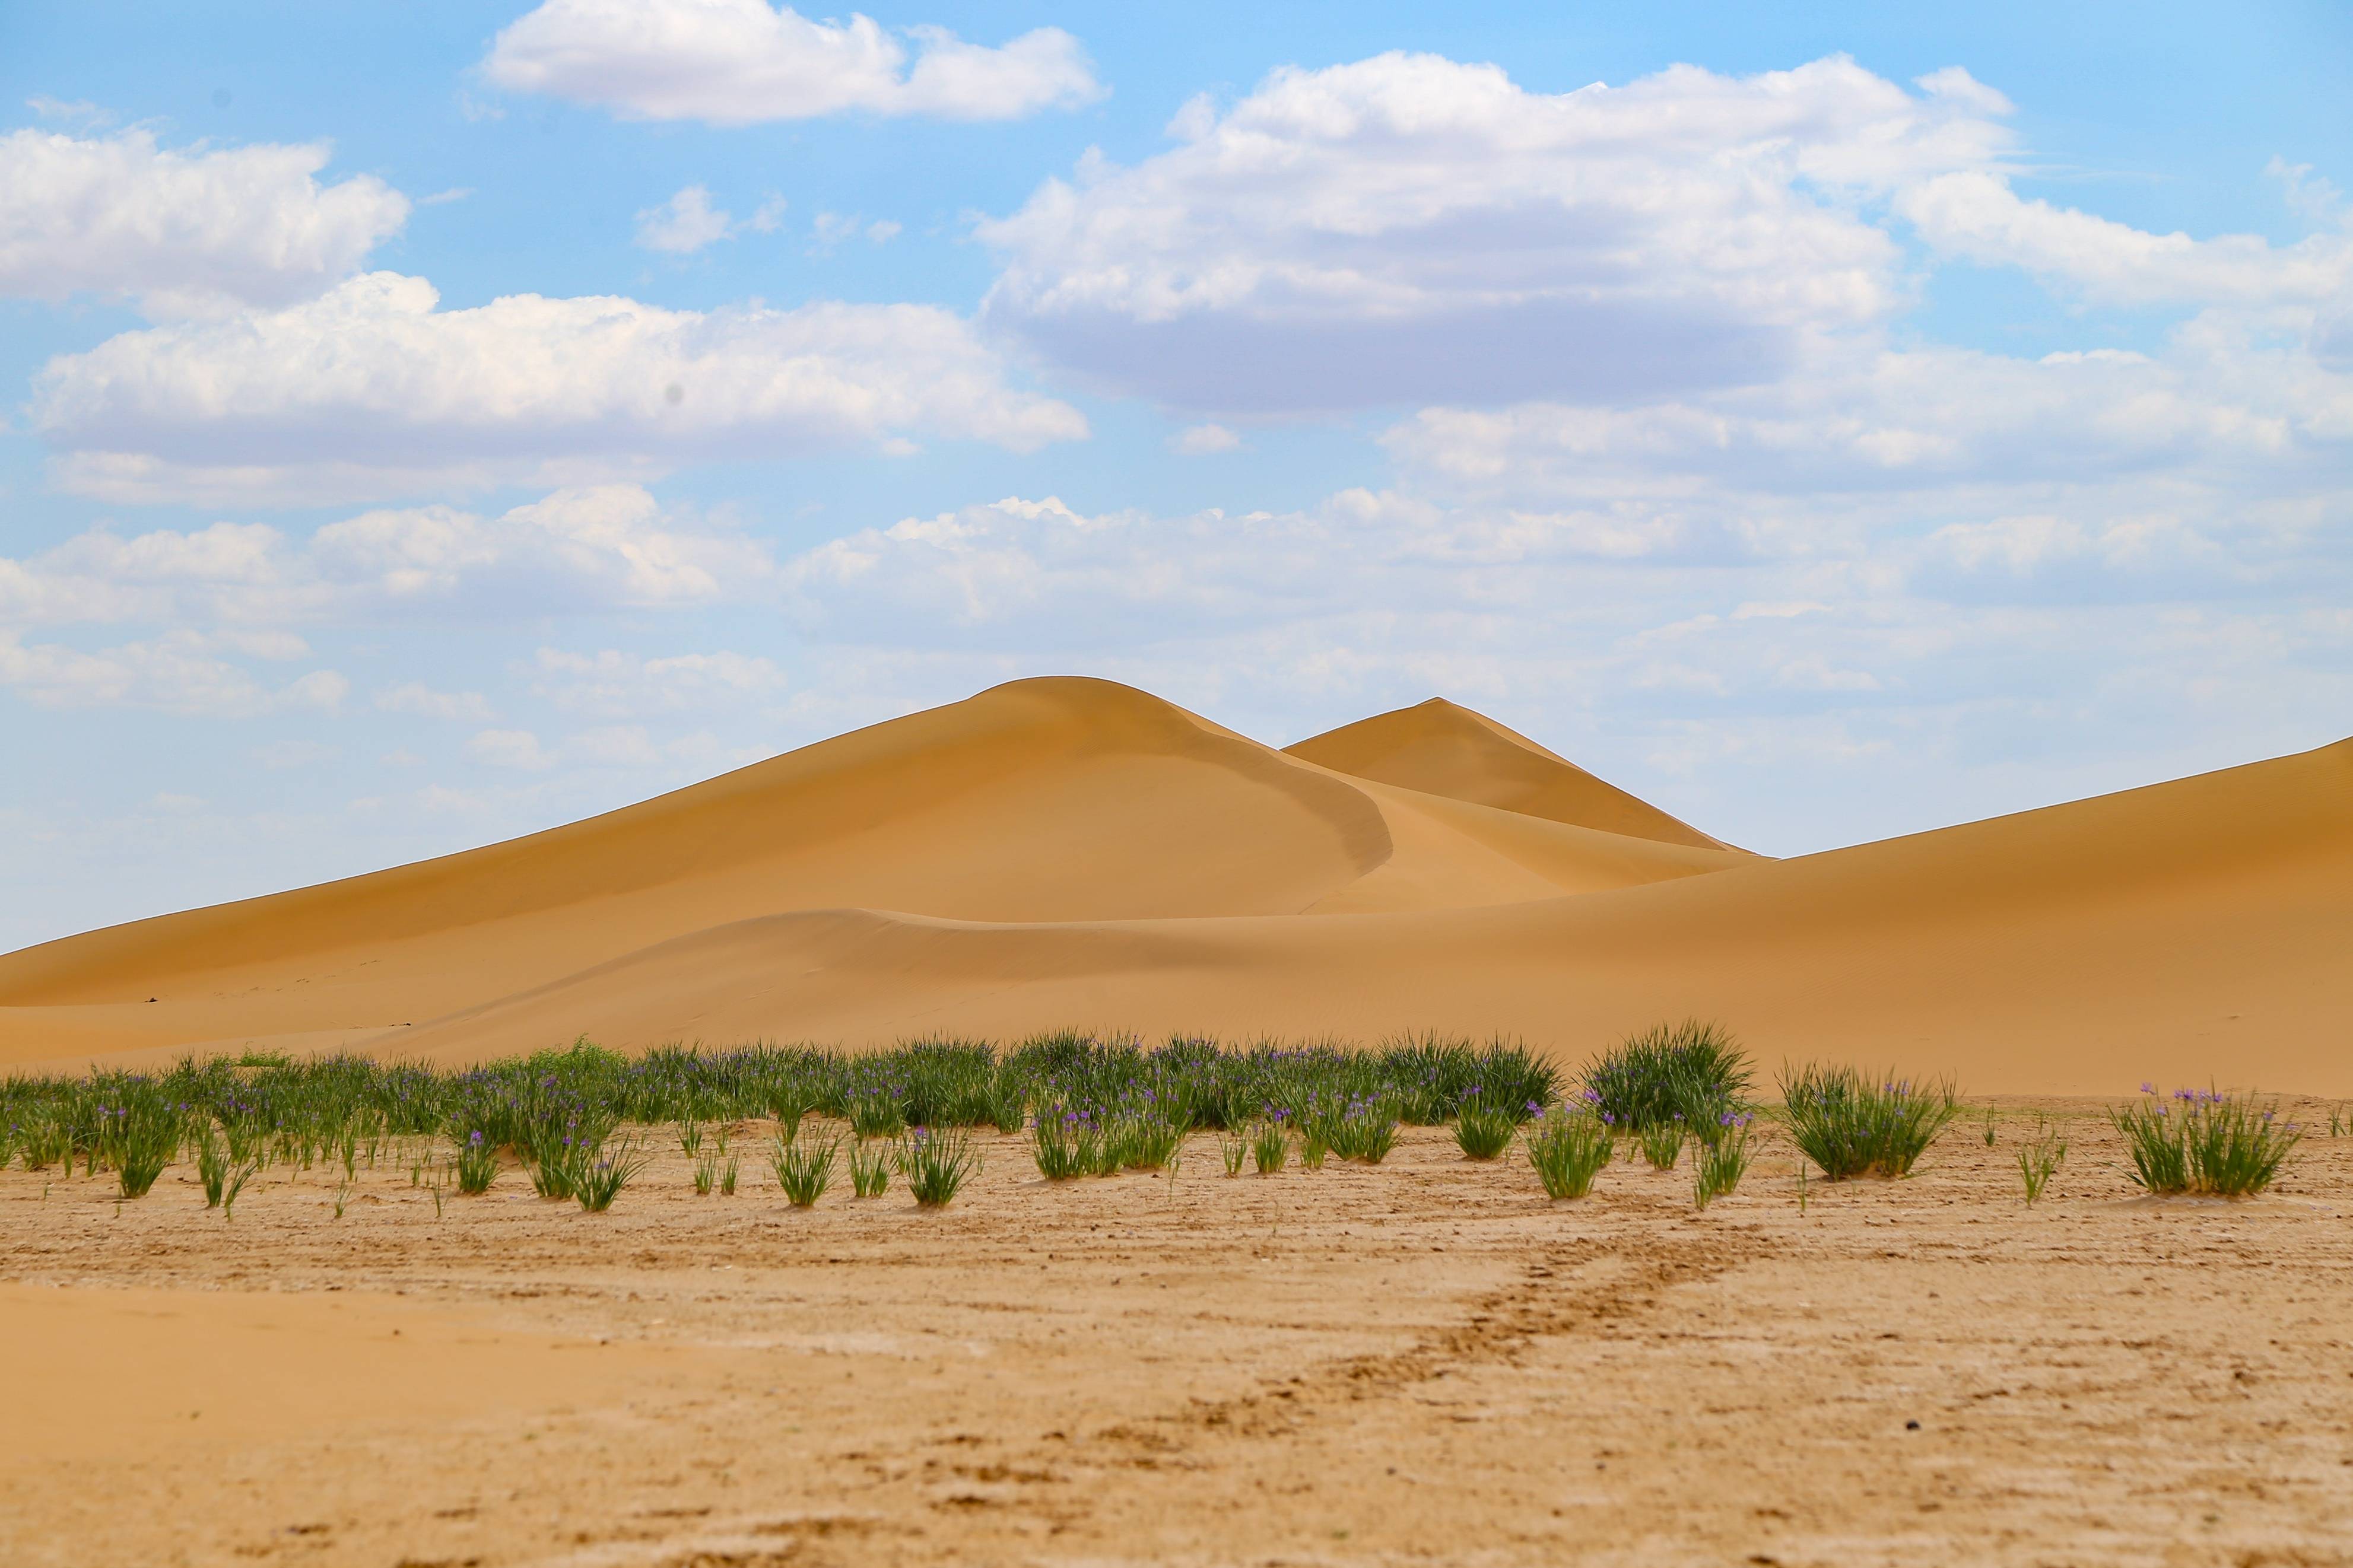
1441	748
1075	852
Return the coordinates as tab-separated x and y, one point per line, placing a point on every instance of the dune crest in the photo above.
1441	748
1071	851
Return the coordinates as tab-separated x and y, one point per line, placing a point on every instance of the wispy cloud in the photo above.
743	62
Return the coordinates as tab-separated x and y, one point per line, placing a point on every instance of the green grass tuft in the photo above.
1694	1070
937	1162
1483	1133
1721	1160
870	1170
1661	1143
2039	1159
602	1171
1270	1148
1142	1143
140	1138
2205	1142
1569	1149
1852	1125
1363	1129
477	1166
803	1168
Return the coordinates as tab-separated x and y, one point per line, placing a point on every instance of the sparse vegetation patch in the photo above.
1568	1147
937	1162
1693	1071
2039	1159
803	1168
1721	1160
1483	1133
2203	1141
1851	1124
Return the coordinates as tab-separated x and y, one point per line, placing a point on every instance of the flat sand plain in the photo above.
1424	1362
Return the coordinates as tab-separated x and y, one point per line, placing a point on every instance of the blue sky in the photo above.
436	423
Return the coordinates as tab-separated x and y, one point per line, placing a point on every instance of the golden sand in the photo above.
1073	852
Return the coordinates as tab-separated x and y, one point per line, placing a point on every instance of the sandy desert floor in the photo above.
1424	1362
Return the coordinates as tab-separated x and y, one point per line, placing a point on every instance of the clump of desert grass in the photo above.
602	1171
1661	1143
139	1137
43	1138
936	1164
2204	1143
1685	1073
1483	1133
1147	1140
1568	1146
1720	1159
2039	1159
1269	1146
872	1114
1363	1129
476	1165
804	1167
220	1172
870	1170
1850	1124
1066	1144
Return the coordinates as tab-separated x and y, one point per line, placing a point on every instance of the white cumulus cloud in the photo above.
179	673
370	389
1864	418
1203	440
613	682
598	547
1976	214
191	232
510	749
745	62
420	700
1410	228
685	224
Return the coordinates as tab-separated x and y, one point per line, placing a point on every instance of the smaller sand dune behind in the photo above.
1440	748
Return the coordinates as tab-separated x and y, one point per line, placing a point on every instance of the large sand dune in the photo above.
1071	851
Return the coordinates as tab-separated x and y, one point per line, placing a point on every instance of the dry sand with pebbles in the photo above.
1419	1363
1424	1362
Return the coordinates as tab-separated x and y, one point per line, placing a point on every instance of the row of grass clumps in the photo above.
1101	1107
1089	1106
